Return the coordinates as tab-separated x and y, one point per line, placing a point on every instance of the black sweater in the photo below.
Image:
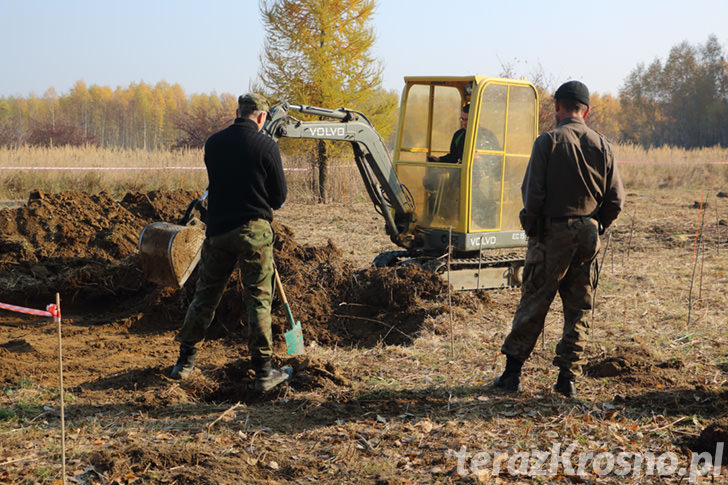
245	177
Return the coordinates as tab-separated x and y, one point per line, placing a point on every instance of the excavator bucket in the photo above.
170	252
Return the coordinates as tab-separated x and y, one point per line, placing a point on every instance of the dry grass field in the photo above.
382	397
120	171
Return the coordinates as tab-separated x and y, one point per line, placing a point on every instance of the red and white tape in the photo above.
85	169
630	162
51	310
102	168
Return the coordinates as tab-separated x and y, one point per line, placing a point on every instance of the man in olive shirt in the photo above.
571	192
246	184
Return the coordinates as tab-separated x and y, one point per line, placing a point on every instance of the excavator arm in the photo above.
391	199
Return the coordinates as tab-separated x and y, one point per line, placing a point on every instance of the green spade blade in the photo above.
294	339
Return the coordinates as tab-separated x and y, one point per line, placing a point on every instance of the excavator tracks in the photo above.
465	273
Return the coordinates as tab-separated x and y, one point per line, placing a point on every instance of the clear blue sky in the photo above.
214	46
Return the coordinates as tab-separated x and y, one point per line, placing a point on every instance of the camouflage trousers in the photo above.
561	263
250	246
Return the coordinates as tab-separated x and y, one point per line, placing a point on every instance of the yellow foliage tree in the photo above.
604	115
318	52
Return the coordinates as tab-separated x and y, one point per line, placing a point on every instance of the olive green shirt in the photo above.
571	173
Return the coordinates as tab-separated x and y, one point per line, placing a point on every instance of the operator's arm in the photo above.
276	181
533	188
614	196
457	144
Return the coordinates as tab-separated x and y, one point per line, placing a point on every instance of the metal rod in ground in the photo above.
612	258
480	259
57	318
717	229
599	267
695	264
702	255
701	210
449	294
631	230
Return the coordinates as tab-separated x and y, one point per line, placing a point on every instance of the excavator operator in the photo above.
458	141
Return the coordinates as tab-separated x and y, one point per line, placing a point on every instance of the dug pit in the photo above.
84	247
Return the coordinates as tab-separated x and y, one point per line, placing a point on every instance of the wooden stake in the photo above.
60	387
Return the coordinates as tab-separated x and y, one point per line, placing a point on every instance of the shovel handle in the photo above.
283	297
280	286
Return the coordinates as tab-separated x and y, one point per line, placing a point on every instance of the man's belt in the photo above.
564	218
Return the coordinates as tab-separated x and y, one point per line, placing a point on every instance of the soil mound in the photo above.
229	383
633	364
84	246
68	225
624	361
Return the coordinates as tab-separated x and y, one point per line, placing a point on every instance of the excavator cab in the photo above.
474	201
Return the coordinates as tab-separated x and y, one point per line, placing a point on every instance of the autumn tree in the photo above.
604	115
318	52
545	87
205	116
60	133
681	102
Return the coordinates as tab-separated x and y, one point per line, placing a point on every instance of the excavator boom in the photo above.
391	199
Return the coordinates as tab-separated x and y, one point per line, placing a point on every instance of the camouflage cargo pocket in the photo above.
534	267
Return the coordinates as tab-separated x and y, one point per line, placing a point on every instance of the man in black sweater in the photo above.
246	184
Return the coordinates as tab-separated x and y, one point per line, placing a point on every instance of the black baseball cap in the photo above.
575	90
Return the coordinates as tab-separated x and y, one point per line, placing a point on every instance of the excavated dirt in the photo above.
85	247
642	381
634	364
709	439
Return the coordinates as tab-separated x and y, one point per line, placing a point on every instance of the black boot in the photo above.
267	377
565	384
185	362
510	380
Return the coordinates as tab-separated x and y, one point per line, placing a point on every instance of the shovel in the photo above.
294	337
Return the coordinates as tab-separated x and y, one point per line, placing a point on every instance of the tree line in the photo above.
138	116
681	101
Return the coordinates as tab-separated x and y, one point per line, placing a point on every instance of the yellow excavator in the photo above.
469	205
